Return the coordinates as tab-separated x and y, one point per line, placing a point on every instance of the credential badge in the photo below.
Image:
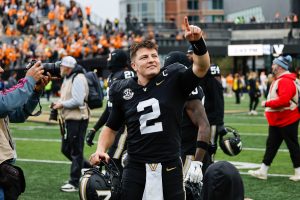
127	94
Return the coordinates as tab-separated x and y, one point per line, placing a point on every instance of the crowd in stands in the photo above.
48	30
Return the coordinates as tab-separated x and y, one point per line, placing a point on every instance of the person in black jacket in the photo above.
254	93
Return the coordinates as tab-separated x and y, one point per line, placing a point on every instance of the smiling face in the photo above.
146	64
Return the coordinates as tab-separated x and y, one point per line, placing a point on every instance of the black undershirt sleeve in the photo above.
116	118
102	120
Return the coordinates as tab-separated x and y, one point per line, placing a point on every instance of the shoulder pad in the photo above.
118	85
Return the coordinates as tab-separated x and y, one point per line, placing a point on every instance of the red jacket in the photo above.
280	109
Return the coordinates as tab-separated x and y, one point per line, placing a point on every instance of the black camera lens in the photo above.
52	68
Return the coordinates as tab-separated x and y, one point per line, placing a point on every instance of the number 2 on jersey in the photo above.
157	127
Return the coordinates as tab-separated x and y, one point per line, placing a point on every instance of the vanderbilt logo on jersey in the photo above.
153	166
127	94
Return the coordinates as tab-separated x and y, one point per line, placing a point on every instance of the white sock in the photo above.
264	168
297	170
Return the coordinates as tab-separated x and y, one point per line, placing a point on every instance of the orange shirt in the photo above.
51	15
88	10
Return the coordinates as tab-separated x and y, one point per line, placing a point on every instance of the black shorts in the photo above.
134	178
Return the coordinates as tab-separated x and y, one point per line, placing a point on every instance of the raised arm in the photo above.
201	56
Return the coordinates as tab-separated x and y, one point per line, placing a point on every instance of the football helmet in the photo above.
117	60
231	143
177	56
193	190
95	185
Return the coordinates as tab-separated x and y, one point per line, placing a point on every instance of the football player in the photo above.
151	107
194	123
214	107
117	63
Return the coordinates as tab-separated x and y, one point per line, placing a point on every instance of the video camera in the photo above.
52	68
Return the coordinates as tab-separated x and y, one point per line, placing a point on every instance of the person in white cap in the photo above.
75	113
283	117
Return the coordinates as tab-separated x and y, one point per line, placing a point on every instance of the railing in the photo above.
227	25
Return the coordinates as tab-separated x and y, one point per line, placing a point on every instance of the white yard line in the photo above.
37	140
251	165
275	175
253	134
43	161
58	140
20	127
263	149
246	124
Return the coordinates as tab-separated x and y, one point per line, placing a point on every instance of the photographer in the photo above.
16	104
75	113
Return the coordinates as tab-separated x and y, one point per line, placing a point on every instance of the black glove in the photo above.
212	148
90	136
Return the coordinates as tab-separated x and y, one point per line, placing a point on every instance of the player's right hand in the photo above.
97	157
36	71
89	137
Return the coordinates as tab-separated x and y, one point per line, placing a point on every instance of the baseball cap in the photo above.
283	61
68	61
118	60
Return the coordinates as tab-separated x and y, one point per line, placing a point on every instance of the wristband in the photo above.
199	47
202	145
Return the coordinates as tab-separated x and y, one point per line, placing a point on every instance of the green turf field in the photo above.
45	168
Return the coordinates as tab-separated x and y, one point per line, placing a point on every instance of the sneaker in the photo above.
295	177
254	112
68	188
250	112
258	174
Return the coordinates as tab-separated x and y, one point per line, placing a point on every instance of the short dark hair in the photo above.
144	44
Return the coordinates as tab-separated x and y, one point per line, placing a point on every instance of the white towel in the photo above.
153	187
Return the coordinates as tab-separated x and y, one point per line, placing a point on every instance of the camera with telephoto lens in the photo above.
53	113
52	68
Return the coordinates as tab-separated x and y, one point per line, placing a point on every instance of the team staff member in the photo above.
75	113
151	107
16	104
116	63
283	117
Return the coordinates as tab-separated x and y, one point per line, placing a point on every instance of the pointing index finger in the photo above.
187	25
